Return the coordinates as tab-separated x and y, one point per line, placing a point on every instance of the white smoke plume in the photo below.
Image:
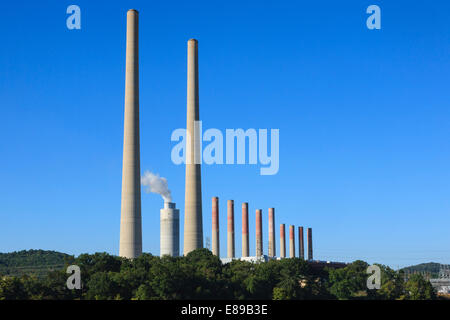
156	184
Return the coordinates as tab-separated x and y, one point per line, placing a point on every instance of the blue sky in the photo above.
364	118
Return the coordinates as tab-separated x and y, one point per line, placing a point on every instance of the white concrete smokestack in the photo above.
170	230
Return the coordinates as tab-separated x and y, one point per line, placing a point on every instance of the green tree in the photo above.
11	288
349	282
101	286
392	284
417	288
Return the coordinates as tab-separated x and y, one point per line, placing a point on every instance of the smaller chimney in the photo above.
245	246
310	247
301	246
215	227
259	243
291	242
230	233
282	242
169	230
272	250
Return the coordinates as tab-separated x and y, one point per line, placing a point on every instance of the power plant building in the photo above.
131	221
170	230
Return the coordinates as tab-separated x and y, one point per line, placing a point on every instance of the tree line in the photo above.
201	275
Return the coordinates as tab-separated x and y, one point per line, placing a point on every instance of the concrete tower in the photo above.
193	226
282	242
245	246
259	236
272	250
170	230
291	242
230	229
310	247
301	246
215	227
130	218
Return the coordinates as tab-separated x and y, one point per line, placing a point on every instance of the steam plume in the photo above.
156	184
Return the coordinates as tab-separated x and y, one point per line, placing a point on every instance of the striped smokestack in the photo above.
245	246
282	242
310	248
215	227
259	240
301	247
291	241
272	251
230	231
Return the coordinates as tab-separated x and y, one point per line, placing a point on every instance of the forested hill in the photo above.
430	267
37	262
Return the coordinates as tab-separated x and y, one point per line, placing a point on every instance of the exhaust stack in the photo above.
259	240
291	241
193	227
230	231
310	247
170	230
282	242
301	247
215	227
130	212
245	246
272	250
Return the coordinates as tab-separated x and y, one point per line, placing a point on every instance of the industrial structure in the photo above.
291	242
193	226
130	216
230	231
245	243
259	235
131	225
309	242
301	247
259	256
170	230
282	241
215	227
272	250
442	283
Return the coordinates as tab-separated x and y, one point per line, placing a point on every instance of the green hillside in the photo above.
431	268
38	262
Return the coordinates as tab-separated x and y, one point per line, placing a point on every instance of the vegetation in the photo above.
201	275
430	269
31	262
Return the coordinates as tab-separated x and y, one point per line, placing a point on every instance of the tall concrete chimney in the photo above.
170	230
301	247
259	240
130	216
245	246
291	241
193	227
310	248
230	229
272	250
282	242
215	227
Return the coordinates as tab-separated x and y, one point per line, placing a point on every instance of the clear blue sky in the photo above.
364	119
